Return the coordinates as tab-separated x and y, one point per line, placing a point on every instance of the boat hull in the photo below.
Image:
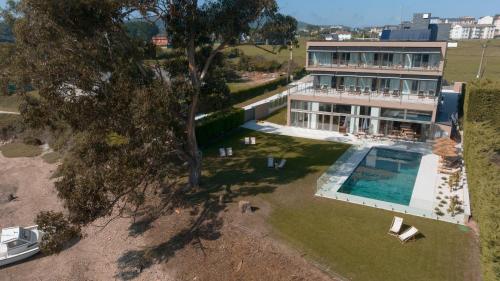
19	257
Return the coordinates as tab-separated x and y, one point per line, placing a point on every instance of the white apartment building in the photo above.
472	31
496	23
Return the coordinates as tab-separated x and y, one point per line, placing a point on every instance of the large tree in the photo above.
133	125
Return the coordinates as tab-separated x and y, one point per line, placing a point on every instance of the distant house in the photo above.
344	35
160	41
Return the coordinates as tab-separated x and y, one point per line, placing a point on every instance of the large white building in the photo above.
472	31
496	23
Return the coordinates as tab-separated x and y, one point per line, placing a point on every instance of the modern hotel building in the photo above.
378	88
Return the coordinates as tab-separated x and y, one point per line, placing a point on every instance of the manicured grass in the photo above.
351	240
462	63
299	54
278	117
13	150
51	157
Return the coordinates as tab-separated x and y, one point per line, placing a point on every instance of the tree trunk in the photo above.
194	155
192	149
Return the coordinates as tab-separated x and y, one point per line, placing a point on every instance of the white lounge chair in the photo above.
397	223
282	164
408	234
270	162
229	151
222	152
252	140
247	140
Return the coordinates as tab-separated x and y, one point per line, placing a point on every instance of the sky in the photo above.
359	13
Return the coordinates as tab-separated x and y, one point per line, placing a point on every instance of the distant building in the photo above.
422	28
344	36
472	31
485	20
160	41
496	23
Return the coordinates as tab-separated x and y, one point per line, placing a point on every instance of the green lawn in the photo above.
13	150
261	97
462	63
278	117
51	157
351	240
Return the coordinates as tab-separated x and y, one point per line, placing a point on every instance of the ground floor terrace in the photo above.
370	121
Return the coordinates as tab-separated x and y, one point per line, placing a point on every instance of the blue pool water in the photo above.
384	174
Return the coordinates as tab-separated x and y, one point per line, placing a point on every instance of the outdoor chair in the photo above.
281	164
247	140
358	91
252	140
386	92
341	89
431	94
421	94
229	151
408	235
396	225
270	162
351	89
366	91
395	93
222	152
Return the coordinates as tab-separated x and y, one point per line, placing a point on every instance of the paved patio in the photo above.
427	185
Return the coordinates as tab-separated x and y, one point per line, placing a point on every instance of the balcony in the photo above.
389	69
420	100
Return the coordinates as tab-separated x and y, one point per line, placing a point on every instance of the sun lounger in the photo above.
408	234
270	162
396	225
252	140
281	164
222	152
247	140
229	151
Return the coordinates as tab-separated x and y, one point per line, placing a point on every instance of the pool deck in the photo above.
427	184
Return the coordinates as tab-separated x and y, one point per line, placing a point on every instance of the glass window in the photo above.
417	60
434	60
320	58
354	59
302	105
344	58
418	115
15	243
367	59
392	113
365	110
408	60
325	81
342	108
325	107
398	59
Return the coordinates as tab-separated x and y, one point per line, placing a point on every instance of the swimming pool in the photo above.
384	174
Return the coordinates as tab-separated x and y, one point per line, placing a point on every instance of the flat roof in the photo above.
440	44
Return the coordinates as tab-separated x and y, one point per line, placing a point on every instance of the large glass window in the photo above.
365	82
325	81
344	58
302	105
320	58
410	86
434	60
418	115
325	107
367	59
392	113
365	110
387	59
350	82
299	119
342	108
354	59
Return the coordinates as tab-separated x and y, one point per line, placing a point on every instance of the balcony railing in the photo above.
365	94
397	67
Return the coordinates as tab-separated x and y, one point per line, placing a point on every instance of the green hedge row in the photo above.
246	94
218	124
482	159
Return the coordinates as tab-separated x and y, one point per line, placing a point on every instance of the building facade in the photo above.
472	31
377	88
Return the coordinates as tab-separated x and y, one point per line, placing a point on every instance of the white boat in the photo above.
18	243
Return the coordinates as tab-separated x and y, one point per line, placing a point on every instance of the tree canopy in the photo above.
132	123
141	30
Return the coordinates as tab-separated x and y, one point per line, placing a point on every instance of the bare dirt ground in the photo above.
231	246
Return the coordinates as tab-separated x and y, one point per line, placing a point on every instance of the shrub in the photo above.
481	152
32	141
57	231
213	127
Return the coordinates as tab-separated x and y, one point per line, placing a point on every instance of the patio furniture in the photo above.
222	152
229	151
281	164
252	140
341	88
396	225
247	140
358	91
386	92
421	94
448	171
351	89
270	162
431	94
395	93
366	91
408	235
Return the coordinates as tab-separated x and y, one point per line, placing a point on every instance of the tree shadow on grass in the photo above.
245	174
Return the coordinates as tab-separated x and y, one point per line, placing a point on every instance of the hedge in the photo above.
482	160
246	94
216	125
